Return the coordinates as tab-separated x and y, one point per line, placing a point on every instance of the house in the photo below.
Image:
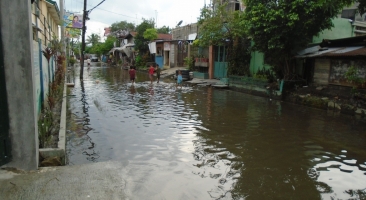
215	57
107	31
326	61
348	23
124	50
45	22
326	64
182	46
160	48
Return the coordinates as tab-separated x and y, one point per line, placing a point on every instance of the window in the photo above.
349	14
159	51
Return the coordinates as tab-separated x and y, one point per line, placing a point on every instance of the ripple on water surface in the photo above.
218	143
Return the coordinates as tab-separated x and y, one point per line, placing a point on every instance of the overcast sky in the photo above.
167	12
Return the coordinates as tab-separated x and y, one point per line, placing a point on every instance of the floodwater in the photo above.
206	143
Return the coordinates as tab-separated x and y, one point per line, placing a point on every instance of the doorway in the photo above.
220	62
4	117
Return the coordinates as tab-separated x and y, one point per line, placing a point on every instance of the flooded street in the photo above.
206	143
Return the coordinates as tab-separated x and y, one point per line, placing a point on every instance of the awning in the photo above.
113	49
127	49
152	47
192	36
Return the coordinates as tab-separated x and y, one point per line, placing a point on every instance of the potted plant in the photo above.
72	61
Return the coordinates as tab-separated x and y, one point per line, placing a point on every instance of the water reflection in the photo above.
78	137
234	146
132	90
265	154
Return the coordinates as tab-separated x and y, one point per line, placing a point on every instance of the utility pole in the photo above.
83	41
62	26
156	19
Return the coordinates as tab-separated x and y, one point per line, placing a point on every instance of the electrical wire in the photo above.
109	11
96	6
116	13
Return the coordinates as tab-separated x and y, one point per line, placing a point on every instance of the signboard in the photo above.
73	23
166	46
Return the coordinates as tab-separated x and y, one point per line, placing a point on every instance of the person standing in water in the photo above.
132	73
179	79
151	73
158	70
88	61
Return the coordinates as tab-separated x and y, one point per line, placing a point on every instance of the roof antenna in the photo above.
179	23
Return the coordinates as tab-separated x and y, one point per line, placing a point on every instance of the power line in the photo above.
89	11
116	13
108	10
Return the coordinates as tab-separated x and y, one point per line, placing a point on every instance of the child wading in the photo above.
158	70
132	73
151	73
179	79
88	61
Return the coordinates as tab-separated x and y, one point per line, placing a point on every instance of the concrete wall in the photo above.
173	55
321	71
41	66
182	33
342	29
46	22
36	69
257	62
19	72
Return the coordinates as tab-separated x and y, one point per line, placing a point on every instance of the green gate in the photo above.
4	116
220	64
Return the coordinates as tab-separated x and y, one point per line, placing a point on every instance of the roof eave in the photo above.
54	10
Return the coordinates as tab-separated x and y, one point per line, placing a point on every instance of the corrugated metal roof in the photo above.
348	52
332	51
346	49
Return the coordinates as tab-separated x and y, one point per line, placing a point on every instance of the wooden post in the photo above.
211	57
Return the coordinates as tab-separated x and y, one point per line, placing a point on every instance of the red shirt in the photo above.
132	73
151	70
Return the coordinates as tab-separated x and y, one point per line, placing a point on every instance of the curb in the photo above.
325	104
59	152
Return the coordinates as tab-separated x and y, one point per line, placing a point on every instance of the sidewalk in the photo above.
170	71
104	180
194	81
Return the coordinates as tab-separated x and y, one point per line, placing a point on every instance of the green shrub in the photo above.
353	78
189	61
72	61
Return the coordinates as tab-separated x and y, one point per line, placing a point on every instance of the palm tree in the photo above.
93	39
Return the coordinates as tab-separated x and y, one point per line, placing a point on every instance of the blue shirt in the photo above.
179	78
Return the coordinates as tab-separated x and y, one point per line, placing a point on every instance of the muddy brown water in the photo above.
206	143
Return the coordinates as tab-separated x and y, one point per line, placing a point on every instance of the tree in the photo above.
362	6
140	41
105	47
150	34
75	47
122	25
164	30
93	39
281	28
